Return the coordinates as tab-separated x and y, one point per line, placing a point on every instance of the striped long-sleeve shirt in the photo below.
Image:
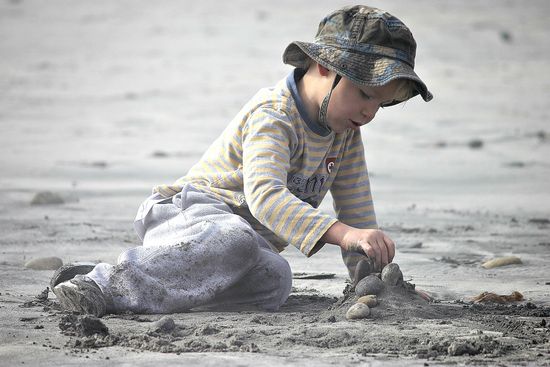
273	166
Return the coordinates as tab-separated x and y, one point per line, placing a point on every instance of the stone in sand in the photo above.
362	269
44	263
459	348
370	284
358	311
392	275
47	198
501	261
370	300
165	325
475	144
82	325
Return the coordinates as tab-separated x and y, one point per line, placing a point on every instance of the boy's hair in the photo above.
366	45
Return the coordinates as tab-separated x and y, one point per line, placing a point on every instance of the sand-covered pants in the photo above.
195	252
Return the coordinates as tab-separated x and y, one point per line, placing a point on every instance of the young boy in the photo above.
214	237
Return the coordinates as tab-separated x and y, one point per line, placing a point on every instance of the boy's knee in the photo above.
280	278
286	282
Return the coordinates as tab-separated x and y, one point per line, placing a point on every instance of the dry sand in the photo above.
100	101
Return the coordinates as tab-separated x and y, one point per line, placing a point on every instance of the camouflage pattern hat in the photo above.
366	45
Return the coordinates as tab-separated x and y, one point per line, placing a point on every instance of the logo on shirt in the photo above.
329	163
307	188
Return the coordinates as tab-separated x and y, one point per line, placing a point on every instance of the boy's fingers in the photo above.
377	253
384	252
391	248
368	249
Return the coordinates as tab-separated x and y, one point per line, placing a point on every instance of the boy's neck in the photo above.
313	88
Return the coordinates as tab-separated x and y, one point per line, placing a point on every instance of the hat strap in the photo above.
324	105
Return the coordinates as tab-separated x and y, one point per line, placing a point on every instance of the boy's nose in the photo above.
369	112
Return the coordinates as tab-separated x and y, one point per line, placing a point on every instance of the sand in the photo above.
100	101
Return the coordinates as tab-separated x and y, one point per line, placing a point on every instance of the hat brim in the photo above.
364	69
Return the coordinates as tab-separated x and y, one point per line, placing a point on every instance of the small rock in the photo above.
165	325
539	220
392	275
43	296
370	284
505	36
207	330
364	267
44	263
501	261
358	311
370	300
475	144
82	325
47	198
459	348
159	154
98	164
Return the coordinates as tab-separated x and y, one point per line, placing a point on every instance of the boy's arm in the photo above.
354	206
268	138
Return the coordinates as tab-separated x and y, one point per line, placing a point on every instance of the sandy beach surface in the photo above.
102	100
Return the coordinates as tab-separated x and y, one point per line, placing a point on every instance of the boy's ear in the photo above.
322	70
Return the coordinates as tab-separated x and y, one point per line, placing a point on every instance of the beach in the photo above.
101	101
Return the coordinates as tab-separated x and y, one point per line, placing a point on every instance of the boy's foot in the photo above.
81	294
362	269
69	271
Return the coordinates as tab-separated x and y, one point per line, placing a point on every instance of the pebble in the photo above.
392	275
501	261
475	144
370	284
47	198
358	311
370	300
459	348
165	325
364	267
44	263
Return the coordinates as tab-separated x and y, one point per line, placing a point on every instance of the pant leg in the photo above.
266	286
194	249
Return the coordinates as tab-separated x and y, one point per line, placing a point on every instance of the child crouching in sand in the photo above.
214	236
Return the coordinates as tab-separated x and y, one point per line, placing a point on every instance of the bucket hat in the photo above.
368	46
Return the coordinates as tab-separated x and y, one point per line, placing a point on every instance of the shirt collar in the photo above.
291	82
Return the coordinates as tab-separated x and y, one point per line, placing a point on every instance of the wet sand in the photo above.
100	102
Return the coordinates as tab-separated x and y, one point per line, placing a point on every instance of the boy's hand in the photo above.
371	242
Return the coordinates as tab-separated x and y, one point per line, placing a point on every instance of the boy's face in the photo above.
352	106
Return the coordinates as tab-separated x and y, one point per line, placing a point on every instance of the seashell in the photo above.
501	261
358	311
485	297
44	263
392	275
370	300
370	284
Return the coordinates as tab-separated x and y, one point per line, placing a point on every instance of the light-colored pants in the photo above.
195	252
